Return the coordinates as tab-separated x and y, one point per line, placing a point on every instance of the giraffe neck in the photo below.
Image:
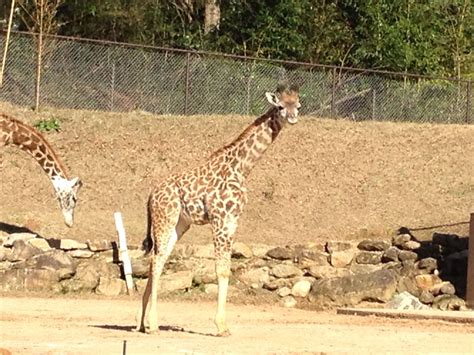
249	147
31	141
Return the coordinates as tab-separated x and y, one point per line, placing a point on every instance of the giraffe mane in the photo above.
247	132
42	140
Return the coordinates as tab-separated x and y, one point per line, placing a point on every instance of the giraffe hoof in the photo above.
139	330
152	331
224	333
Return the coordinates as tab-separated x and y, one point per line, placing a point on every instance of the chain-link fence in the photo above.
98	75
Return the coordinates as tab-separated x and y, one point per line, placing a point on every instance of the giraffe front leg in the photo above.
223	273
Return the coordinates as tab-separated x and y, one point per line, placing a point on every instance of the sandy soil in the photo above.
31	325
321	180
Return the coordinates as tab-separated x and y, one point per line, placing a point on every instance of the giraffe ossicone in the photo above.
213	193
15	132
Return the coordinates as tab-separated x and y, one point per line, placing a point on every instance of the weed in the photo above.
48	125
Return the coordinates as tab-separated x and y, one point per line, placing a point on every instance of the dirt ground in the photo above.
31	325
321	180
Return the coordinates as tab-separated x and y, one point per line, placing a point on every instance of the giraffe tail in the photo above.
147	244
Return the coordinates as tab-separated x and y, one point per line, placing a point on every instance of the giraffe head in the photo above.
66	192
286	99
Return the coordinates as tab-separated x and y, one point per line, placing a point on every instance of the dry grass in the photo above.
321	180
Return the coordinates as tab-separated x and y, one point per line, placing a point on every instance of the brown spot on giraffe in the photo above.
15	132
218	199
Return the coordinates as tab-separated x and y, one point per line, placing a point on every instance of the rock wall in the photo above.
402	273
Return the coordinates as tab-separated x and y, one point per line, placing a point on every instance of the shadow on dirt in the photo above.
162	328
12	228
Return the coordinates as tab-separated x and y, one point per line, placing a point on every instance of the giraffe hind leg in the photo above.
167	239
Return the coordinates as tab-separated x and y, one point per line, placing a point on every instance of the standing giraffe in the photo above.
212	193
31	141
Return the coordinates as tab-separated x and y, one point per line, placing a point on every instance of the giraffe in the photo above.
213	193
15	132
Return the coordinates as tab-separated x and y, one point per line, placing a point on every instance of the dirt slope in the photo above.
321	180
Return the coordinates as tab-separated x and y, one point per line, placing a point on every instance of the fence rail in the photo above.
102	75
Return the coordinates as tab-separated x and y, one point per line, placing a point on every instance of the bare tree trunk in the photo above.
212	15
39	55
7	39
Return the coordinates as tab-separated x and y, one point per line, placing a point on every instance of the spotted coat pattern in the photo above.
213	193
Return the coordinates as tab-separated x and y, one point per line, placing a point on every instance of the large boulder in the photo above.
258	277
28	279
56	260
350	290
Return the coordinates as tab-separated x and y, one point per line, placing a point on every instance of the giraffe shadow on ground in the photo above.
162	328
12	228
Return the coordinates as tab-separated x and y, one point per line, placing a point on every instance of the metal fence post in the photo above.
468	102
333	93
186	90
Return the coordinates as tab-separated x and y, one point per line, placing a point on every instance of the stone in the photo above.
70	244
273	285
110	286
407	255
410	245
12	238
177	281
99	245
311	256
399	240
241	250
447	288
211	289
301	288
428	264
80	253
285	271
449	303
86	279
341	258
288	302
405	301
369	257
373	245
284	291
204	271
426	297
280	253
22	250
182	251
40	243
140	267
320	272
351	290
28	280
258	276
391	254
204	251
427	282
260	250
408	284
362	269
4	253
332	247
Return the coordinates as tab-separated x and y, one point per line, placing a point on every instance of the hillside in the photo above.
321	180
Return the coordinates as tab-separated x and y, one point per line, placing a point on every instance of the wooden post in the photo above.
470	266
125	258
468	102
186	89
333	92
7	39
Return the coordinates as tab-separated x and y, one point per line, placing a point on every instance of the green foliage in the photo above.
47	125
424	37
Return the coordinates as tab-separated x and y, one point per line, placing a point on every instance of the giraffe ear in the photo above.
272	99
75	182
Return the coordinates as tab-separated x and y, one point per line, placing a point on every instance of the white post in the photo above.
127	266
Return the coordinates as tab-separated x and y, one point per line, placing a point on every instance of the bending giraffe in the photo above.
15	132
214	194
